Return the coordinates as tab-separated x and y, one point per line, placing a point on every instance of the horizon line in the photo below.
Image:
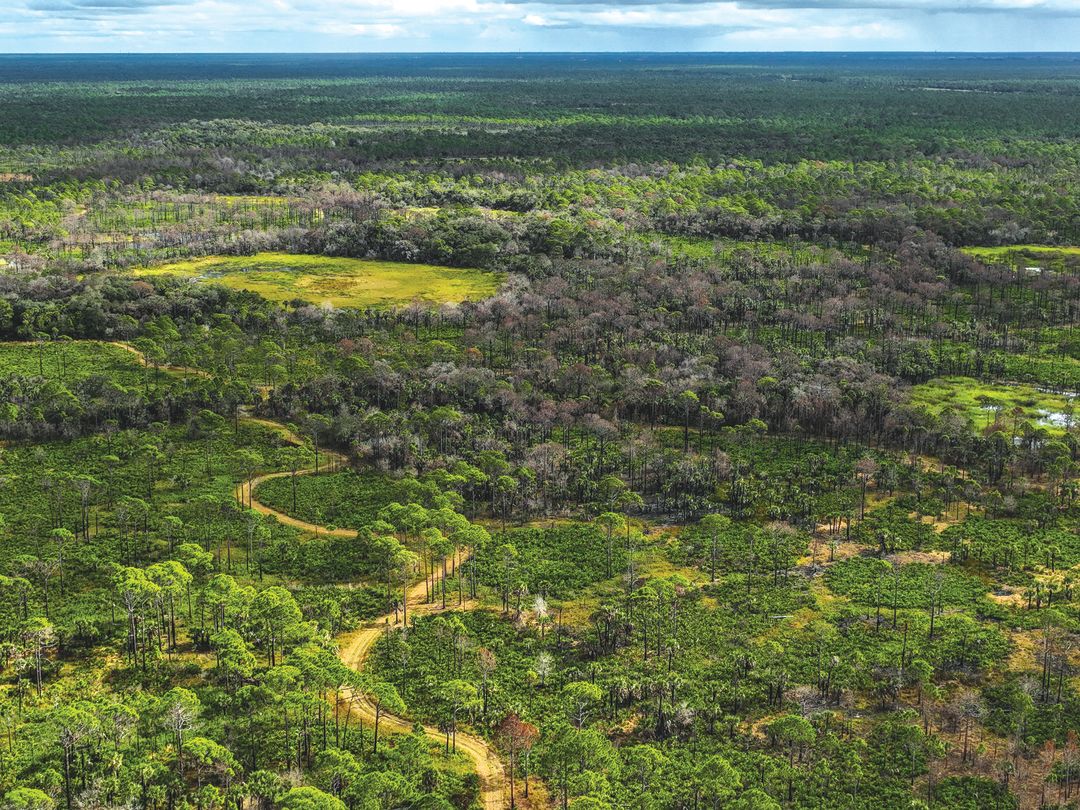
859	51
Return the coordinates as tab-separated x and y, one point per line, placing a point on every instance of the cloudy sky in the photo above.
536	25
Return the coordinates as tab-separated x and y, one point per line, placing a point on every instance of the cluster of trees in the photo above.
221	683
684	539
684	676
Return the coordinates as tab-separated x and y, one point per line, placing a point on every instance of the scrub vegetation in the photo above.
654	432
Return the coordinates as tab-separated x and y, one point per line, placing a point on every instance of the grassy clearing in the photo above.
1041	256
699	249
68	361
339	282
983	403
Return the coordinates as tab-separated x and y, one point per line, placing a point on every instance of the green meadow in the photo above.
340	282
1047	257
68	361
984	403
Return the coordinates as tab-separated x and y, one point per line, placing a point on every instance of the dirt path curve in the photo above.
245	491
356	646
186	371
354	651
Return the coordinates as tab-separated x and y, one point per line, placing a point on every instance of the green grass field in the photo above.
701	249
982	402
340	282
1044	257
71	360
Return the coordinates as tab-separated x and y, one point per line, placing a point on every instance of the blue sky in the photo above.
536	25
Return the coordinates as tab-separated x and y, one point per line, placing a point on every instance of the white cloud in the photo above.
1060	7
433	25
817	33
377	30
703	17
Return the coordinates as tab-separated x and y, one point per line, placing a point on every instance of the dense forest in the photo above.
583	432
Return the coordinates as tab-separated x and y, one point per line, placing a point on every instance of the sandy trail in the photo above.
186	371
354	650
244	492
355	647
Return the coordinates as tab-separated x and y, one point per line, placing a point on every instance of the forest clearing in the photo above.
338	282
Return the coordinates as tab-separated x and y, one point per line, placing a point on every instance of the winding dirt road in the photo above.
245	491
354	650
184	371
355	647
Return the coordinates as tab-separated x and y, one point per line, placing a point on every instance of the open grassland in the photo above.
1044	257
340	282
984	403
68	361
693	248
